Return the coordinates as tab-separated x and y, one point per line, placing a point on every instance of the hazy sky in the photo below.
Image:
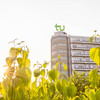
33	21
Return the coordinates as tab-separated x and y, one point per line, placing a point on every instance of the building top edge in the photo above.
59	33
62	33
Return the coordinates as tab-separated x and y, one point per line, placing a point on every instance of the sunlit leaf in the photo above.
20	61
27	63
9	61
44	65
90	93
77	98
53	74
19	94
9	72
43	72
51	90
24	74
18	51
36	72
18	82
95	55
93	78
59	86
97	94
25	54
13	52
56	65
65	66
82	97
70	90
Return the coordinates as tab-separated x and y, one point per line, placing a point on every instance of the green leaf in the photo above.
9	61
18	50
53	74
10	71
56	65
90	93
13	52
36	72
97	95
95	55
20	61
51	90
27	63
83	97
33	85
43	72
61	84
44	65
18	82
40	91
93	78
19	93
34	65
25	54
64	82
24	74
77	98
70	90
65	66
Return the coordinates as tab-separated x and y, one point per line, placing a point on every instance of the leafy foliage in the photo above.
93	78
95	55
53	74
80	80
18	85
65	67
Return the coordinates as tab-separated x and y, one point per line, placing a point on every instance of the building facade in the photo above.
74	52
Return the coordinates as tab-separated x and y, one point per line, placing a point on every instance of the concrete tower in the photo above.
59	47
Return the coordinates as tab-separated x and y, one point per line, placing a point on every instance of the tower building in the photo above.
74	52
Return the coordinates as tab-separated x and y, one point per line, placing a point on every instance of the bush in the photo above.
18	84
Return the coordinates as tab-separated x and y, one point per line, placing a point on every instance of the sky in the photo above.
33	21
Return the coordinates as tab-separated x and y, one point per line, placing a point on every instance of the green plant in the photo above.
80	80
18	74
18	85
